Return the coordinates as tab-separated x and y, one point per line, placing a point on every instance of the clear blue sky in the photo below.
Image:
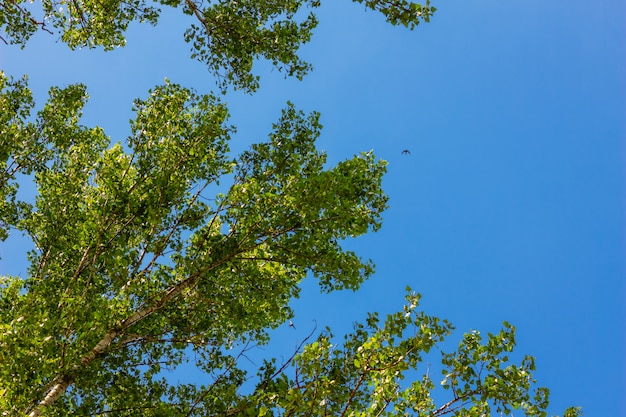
511	205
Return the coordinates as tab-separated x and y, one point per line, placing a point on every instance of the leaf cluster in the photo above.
134	265
228	36
366	374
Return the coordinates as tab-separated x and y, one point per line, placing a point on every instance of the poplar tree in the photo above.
140	266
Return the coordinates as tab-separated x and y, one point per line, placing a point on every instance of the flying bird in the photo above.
406	152
291	324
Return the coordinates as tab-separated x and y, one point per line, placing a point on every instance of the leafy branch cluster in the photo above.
130	252
227	35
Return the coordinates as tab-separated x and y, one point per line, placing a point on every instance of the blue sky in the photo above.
511	205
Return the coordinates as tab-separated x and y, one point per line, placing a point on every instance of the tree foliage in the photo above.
226	35
164	248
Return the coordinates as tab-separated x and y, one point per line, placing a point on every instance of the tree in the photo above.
139	265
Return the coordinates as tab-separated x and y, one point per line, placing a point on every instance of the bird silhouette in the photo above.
406	152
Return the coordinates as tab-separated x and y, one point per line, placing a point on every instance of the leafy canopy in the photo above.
164	248
226	35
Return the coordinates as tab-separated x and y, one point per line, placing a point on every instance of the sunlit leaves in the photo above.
301	210
135	263
231	36
365	374
482	380
17	151
17	24
228	36
401	12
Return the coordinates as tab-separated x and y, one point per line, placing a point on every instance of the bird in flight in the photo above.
406	152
